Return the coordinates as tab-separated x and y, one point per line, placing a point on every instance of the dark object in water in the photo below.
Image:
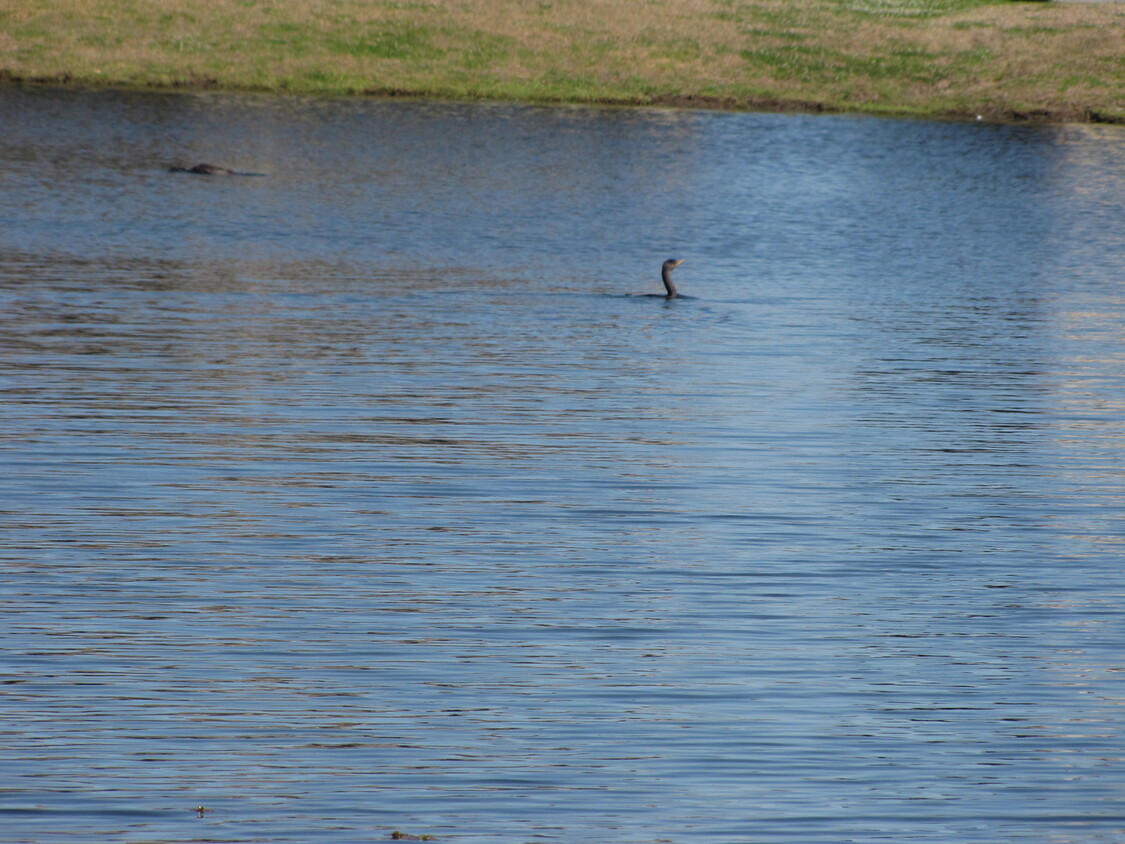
666	276
203	170
210	170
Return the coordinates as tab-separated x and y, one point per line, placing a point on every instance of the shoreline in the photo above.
992	113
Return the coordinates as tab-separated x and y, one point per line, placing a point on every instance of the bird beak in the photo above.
680	261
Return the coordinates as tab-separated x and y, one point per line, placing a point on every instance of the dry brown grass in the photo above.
894	56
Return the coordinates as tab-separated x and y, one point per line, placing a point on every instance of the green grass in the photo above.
937	57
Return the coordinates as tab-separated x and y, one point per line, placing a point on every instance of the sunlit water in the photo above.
371	495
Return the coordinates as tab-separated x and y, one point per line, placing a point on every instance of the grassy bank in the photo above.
999	58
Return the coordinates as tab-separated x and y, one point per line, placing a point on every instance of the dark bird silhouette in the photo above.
204	170
210	170
666	276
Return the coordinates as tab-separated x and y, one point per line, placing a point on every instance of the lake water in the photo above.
372	494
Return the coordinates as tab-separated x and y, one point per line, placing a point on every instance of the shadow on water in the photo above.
362	498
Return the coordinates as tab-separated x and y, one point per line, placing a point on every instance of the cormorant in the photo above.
666	276
205	170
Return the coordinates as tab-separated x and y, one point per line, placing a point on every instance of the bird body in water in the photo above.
210	170
666	276
204	170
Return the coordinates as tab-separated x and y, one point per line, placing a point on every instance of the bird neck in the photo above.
666	274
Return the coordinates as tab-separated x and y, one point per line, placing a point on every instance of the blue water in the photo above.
372	494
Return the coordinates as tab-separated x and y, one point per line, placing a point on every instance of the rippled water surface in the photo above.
371	494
